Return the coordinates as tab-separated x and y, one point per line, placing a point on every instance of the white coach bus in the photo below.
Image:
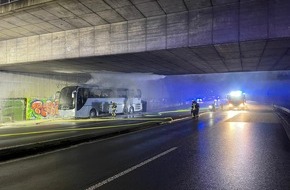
91	101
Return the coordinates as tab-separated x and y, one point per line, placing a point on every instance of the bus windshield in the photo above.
134	93
66	101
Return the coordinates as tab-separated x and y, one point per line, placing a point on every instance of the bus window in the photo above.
134	93
95	93
131	93
107	93
66	101
122	92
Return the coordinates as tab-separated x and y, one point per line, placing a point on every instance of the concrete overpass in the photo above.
166	37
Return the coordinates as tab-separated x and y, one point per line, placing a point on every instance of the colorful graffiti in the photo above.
41	108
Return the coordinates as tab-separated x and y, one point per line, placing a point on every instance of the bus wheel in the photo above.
93	113
131	110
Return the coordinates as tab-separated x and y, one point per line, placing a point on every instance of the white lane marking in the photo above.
110	179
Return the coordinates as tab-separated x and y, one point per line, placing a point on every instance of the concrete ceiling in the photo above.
221	58
29	18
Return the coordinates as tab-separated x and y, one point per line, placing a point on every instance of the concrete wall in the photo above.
259	19
28	88
25	86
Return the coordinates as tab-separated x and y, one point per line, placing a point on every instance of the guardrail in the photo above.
285	110
284	114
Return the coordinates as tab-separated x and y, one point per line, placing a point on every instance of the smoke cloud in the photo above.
119	80
166	91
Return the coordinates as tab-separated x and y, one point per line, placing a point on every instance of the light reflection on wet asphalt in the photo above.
221	150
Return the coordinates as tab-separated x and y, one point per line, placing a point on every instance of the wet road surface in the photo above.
29	132
221	150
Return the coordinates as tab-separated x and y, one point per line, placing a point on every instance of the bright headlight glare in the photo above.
236	93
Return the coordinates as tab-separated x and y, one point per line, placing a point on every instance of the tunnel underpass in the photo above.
152	58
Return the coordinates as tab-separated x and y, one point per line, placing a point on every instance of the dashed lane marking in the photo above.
110	179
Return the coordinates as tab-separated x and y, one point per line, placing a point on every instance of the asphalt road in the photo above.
29	132
221	150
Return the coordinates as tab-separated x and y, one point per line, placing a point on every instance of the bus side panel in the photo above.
101	105
120	108
84	112
120	104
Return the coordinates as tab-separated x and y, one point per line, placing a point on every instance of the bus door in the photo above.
81	98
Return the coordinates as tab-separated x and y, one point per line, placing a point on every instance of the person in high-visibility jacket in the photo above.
114	109
194	109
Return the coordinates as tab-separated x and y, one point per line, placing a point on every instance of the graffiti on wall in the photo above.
41	108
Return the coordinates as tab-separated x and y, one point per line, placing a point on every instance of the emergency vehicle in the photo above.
236	100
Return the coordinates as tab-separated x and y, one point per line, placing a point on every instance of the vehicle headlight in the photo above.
210	107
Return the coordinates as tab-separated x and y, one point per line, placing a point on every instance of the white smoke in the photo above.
122	80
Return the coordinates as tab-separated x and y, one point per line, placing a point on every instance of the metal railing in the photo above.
283	109
284	114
